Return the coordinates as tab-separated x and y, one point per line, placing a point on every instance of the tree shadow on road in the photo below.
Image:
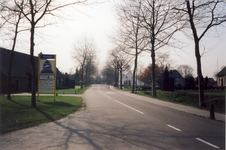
86	131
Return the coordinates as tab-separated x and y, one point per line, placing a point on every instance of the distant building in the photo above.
127	80
212	82
21	73
221	78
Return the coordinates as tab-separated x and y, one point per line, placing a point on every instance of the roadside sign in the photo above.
47	56
174	75
46	73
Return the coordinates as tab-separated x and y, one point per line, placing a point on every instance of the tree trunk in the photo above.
198	58
153	73
134	72
121	79
153	51
11	58
86	77
200	76
82	78
116	79
9	77
33	98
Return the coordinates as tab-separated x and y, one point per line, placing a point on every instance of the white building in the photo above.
127	80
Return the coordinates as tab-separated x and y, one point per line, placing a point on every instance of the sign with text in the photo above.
46	86
174	75
46	73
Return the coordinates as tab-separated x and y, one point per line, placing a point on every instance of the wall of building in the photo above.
221	81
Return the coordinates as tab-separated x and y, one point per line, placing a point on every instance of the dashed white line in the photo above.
130	107
99	90
106	96
214	146
207	143
173	127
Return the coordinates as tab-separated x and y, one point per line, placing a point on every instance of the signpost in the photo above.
47	74
174	76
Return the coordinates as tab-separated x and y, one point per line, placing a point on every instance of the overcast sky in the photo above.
98	22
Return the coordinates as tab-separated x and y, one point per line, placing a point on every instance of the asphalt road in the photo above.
115	120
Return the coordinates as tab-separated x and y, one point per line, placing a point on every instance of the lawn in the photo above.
191	99
76	90
18	114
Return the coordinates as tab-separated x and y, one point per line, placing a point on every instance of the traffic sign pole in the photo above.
174	76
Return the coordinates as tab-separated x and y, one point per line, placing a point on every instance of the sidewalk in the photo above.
29	94
187	109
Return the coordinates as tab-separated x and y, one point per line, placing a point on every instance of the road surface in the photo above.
118	120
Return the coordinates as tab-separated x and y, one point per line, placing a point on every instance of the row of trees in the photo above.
85	55
117	63
27	15
151	24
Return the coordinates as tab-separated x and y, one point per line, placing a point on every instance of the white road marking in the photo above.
173	127
99	90
106	95
129	107
207	143
109	93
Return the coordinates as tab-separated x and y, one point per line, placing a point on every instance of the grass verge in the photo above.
17	113
76	90
124	89
188	98
191	99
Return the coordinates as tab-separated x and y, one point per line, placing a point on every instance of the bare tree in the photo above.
121	60
10	15
185	70
84	54
112	63
161	22
130	34
108	74
34	11
90	66
202	17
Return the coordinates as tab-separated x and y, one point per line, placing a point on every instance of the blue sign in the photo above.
47	67
47	56
174	75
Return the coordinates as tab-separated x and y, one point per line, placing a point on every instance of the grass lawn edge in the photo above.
60	109
175	102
